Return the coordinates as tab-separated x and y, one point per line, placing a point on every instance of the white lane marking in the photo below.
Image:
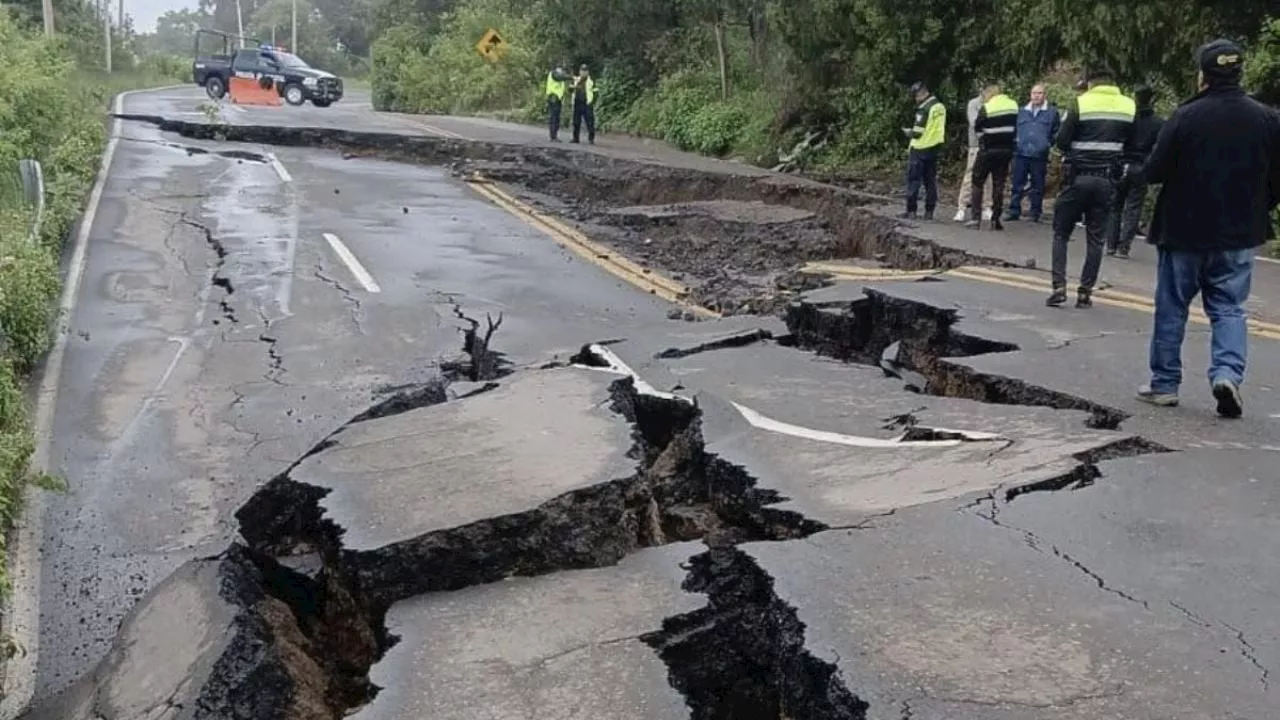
755	419
22	618
362	276
279	167
618	367
765	423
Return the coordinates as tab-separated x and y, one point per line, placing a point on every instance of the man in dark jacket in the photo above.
1038	123
1218	158
1131	191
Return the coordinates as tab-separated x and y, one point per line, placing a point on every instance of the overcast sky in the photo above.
145	12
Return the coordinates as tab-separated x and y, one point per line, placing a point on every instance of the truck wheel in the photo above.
215	88
320	103
293	94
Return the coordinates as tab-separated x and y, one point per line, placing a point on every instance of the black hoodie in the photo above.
1146	128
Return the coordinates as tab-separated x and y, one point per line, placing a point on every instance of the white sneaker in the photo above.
986	214
960	215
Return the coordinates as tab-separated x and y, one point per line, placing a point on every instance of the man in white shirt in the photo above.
965	182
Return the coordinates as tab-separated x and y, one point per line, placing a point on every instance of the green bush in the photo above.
50	111
445	74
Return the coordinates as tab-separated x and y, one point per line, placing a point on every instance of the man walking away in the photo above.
926	136
1093	138
557	86
997	125
1038	122
966	191
1131	192
584	104
1218	158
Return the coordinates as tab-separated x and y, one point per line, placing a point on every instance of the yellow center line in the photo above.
593	252
1129	301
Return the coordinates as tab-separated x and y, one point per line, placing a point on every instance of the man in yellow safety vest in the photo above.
584	105
557	87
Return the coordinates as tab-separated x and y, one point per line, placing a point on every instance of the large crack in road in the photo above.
297	616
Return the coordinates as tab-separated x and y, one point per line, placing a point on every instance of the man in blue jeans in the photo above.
1218	158
1038	122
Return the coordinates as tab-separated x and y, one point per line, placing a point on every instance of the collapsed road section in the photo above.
737	240
354	556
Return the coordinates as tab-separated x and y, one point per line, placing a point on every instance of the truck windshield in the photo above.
290	60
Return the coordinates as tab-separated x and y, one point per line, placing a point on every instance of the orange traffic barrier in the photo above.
250	91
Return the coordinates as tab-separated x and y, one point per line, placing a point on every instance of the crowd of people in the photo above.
1216	160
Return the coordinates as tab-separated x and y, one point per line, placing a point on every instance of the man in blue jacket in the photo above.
1038	122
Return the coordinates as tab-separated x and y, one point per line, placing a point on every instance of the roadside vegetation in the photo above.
53	94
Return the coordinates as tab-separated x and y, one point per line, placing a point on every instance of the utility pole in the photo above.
106	30
47	8
293	37
120	17
240	24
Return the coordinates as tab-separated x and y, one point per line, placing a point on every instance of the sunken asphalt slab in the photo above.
1145	595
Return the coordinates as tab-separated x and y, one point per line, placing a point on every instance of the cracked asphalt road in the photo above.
569	536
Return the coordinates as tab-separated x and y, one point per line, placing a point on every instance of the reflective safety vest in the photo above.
930	125
1103	124
556	87
589	87
997	124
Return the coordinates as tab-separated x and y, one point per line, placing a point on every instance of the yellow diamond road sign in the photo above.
491	46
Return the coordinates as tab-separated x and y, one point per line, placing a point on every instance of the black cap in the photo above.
1221	58
1082	85
1143	94
1101	70
917	86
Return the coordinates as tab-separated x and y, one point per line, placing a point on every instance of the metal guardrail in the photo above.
23	191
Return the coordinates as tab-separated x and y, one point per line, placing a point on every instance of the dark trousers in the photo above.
996	164
1126	210
1026	170
582	111
922	168
553	115
1087	196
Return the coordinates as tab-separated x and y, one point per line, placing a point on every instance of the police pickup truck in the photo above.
295	80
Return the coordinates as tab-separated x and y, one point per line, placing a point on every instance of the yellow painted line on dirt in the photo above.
591	251
859	272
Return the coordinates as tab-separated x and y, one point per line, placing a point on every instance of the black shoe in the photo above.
1010	217
1228	396
1058	297
928	214
996	224
1122	254
574	141
1036	219
907	215
1084	298
591	141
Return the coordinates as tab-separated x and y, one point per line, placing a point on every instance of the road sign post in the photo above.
491	47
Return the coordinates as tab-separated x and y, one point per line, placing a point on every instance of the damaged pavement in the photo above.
843	500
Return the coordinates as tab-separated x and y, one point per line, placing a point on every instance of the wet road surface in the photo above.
1022	539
